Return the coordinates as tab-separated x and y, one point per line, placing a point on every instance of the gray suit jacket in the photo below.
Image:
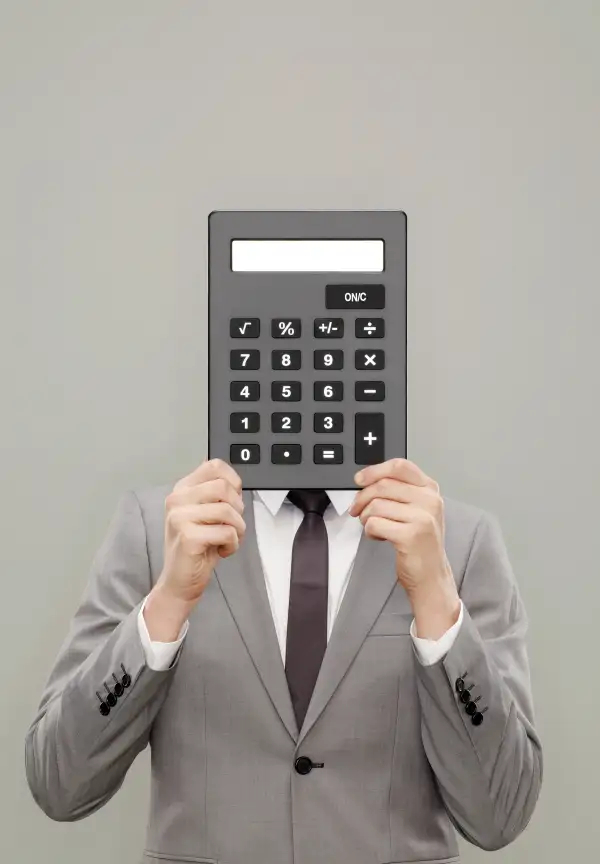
403	766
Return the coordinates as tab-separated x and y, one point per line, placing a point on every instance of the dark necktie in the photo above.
307	615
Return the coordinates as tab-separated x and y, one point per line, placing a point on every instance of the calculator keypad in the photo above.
369	432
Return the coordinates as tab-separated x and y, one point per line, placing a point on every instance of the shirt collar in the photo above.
274	498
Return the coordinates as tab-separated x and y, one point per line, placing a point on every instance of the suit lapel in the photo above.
372	580
242	581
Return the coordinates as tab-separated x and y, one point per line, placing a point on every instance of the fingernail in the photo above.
359	477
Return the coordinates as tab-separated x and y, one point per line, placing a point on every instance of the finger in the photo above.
380	528
397	490
397	511
217	513
212	469
205	493
398	469
224	538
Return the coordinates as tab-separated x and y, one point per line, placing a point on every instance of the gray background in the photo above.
123	125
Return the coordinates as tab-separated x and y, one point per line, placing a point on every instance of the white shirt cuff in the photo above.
159	655
429	651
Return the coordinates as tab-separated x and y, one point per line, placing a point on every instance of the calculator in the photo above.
306	344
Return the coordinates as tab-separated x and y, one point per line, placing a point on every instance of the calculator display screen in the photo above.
316	256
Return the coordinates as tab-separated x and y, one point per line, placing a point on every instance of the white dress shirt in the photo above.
277	521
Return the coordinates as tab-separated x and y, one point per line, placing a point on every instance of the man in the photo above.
322	677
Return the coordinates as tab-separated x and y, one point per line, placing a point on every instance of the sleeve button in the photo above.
477	718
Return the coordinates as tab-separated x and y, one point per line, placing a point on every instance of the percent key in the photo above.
285	328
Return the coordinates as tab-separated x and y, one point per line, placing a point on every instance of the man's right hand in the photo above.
203	522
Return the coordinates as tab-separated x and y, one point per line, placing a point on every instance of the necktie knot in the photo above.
309	500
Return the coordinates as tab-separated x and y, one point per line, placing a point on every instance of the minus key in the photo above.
369	391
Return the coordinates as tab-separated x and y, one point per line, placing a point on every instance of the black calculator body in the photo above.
307	344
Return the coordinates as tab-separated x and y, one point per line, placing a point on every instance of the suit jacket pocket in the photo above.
150	857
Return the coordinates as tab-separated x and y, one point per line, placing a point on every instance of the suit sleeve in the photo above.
83	740
481	741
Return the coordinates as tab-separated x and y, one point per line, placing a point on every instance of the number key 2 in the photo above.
281	422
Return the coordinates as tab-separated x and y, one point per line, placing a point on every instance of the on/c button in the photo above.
355	296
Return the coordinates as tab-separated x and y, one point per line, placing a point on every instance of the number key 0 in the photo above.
244	454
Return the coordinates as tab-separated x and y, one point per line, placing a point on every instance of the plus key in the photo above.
369	440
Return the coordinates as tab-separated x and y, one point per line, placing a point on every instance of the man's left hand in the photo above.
401	504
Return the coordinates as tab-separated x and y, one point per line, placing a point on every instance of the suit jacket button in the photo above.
477	718
104	709
471	708
303	765
126	680
460	685
111	699
465	696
